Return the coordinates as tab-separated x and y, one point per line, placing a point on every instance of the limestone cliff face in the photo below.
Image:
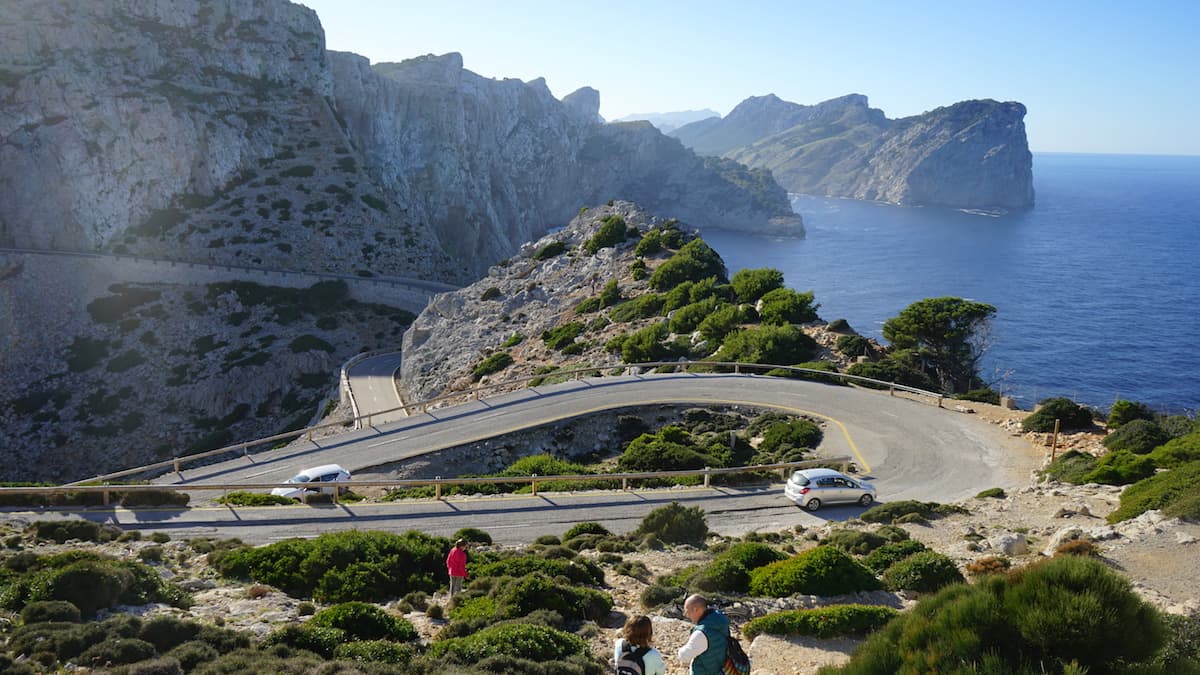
973	154
492	163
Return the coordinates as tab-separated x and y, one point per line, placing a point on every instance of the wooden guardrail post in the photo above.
533	482
625	484
1054	442
175	461
707	477
104	498
437	487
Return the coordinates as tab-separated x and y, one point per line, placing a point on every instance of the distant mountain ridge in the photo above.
669	121
973	154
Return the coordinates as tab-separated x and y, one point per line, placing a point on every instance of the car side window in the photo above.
826	481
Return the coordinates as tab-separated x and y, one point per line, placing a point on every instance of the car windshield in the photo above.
799	478
299	479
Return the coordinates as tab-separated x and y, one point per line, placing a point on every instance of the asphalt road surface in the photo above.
374	385
909	449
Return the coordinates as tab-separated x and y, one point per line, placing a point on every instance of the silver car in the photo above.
811	488
309	480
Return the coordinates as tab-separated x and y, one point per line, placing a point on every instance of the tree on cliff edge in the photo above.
947	334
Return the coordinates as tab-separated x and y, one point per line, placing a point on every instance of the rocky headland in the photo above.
969	155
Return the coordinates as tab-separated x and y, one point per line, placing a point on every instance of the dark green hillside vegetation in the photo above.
1173	492
1138	436
824	571
947	333
822	622
88	581
1066	615
1123	412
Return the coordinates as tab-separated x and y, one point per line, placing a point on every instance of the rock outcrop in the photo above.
970	155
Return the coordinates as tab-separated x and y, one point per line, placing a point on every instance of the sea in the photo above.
1096	287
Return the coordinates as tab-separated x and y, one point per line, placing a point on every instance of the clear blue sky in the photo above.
1098	76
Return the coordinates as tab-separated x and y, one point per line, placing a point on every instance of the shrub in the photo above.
50	610
473	534
513	340
1123	412
750	285
520	640
1120	468
361	621
822	622
650	244
60	531
167	632
610	294
723	575
243	498
720	323
1051	613
820	571
892	370
580	571
491	293
767	344
795	433
1071	416
656	595
637	269
375	651
854	345
923	572
612	232
982	395
888	513
550	250
686	318
1070	467
1174	492
1139	436
317	639
1080	547
562	336
675	524
991	493
492	364
753	554
854	541
1177	452
784	306
695	261
588	527
889	554
117	651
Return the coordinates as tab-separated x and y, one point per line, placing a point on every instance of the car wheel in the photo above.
813	504
865	500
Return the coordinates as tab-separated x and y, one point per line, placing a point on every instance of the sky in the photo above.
1098	76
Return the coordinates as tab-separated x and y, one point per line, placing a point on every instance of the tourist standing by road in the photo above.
634	648
705	648
456	565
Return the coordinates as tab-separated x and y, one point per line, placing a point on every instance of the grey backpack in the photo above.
631	663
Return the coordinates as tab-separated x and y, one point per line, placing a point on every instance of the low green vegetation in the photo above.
822	622
492	364
1071	416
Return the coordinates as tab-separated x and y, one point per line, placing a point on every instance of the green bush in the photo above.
243	498
91	584
1037	619
50	610
166	632
1070	467
1177	452
587	527
343	566
888	513
854	345
723	575
1120	468
1177	426
472	534
193	654
613	231
550	250
657	595
686	318
1071	415
521	640
319	640
695	261
991	493
780	345
750	285
675	524
610	294
131	499
821	571
785	306
580	571
720	323
892	370
513	340
375	651
981	395
671	449
491	293
649	244
1123	412
362	621
794	433
923	572
117	652
60	531
822	622
587	305
1173	492
562	336
889	554
857	542
307	343
492	364
1139	436
753	554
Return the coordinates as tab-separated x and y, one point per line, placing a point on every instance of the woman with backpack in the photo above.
632	653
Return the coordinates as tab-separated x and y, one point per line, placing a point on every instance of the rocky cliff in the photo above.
222	131
972	154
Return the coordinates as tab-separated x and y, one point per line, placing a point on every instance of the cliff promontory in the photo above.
972	154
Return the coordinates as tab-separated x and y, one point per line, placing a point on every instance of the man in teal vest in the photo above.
705	648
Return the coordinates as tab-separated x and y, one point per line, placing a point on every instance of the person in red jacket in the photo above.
456	565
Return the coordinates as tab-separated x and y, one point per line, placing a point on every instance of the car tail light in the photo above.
803	491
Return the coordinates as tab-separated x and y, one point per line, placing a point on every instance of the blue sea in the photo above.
1097	287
